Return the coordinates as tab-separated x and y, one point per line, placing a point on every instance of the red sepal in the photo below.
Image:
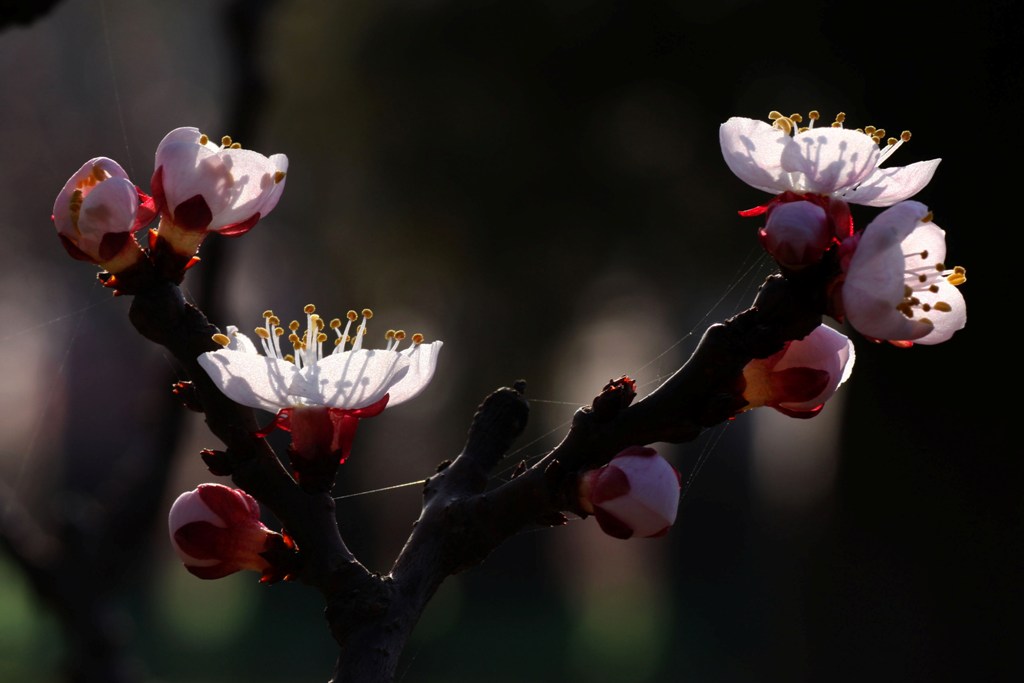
147	210
236	229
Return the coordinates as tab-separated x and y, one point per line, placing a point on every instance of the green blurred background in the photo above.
539	184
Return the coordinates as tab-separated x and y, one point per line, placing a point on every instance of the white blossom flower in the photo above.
897	286
319	396
782	157
96	213
201	186
349	377
802	376
636	494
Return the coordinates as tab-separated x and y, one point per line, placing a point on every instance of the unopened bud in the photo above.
796	234
636	494
799	379
217	531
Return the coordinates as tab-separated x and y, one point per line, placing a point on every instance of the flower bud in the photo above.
97	212
201	187
217	531
802	376
796	234
636	494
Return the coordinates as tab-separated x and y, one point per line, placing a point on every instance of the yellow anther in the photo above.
321	337
905	135
352	315
813	115
319	322
400	335
337	342
290	358
293	338
840	117
225	141
796	118
204	139
262	333
293	325
773	115
890	142
957	277
268	313
309	308
221	339
279	176
235	145
803	129
278	331
927	219
389	335
836	124
870	130
417	338
367	313
943	306
880	133
274	320
784	124
335	324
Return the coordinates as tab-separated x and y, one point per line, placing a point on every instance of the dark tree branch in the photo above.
461	523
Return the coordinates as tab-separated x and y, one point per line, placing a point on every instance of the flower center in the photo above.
308	345
97	176
921	281
791	126
227	143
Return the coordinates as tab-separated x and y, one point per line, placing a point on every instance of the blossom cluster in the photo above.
198	187
888	280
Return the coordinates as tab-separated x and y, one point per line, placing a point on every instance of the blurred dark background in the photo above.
538	184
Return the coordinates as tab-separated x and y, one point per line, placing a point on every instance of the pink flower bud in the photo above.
201	185
796	234
96	213
217	531
802	376
636	494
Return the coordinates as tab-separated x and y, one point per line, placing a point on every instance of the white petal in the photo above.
110	207
62	205
239	342
875	279
190	169
253	189
188	134
356	379
753	151
829	159
423	361
945	323
254	380
886	186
